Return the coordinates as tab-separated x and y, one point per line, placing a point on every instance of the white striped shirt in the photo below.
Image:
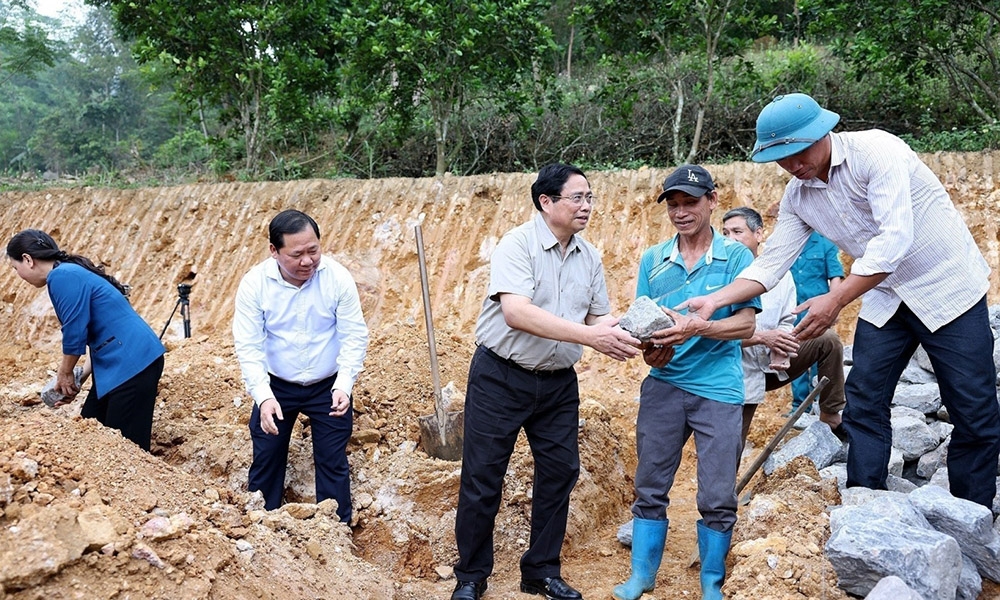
886	208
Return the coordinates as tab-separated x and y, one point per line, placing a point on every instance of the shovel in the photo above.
769	448
442	433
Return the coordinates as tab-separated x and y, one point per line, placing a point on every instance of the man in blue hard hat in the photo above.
921	277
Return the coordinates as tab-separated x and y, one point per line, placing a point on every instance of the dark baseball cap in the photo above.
690	179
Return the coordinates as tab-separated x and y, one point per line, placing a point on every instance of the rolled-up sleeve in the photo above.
782	248
891	210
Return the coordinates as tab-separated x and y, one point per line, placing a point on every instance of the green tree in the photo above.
443	55
711	29
919	40
262	64
25	47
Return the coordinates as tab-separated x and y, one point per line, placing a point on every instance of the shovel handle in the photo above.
429	322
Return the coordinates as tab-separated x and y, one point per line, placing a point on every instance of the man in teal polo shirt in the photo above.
695	385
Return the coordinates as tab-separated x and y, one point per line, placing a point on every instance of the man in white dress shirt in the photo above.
773	357
921	275
301	340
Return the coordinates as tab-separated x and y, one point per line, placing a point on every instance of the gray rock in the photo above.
970	584
896	507
929	562
923	397
942	429
896	462
911	434
969	523
624	534
892	588
836	471
855	496
644	318
817	443
923	360
914	373
928	464
898	484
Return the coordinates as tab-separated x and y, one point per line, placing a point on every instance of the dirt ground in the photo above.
85	514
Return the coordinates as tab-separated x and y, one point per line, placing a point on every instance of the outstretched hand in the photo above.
823	313
701	306
611	340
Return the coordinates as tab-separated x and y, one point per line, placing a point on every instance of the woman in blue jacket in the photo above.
126	356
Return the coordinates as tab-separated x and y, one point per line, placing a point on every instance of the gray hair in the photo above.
754	221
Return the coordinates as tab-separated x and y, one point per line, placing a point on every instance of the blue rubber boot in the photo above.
648	538
713	547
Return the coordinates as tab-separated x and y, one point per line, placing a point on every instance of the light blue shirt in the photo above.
815	267
300	334
701	366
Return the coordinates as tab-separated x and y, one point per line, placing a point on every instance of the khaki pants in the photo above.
828	352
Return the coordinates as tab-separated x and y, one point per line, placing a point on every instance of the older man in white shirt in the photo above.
921	275
773	357
301	340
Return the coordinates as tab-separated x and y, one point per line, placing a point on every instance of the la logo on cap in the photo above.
692	176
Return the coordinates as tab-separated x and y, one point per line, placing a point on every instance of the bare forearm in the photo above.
739	326
854	286
740	290
67	364
537	321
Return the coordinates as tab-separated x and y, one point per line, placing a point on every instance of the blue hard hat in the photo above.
788	125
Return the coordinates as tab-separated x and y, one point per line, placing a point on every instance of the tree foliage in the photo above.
919	40
262	63
25	47
443	55
709	29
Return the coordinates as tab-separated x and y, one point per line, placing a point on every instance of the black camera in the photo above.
184	290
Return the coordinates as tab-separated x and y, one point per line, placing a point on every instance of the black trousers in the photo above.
129	407
501	399
329	438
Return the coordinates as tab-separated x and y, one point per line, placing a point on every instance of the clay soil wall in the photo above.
155	238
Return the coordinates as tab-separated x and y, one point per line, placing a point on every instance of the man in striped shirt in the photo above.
922	279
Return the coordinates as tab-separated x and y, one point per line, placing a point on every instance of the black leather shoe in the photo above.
553	588
469	590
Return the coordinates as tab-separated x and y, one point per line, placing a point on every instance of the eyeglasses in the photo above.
577	199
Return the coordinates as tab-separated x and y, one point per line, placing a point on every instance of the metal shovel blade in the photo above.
443	441
442	433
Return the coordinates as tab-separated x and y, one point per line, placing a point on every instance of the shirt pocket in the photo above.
576	300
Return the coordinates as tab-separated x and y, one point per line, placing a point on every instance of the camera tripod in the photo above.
184	302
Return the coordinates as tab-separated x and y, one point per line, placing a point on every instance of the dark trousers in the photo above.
500	400
667	417
961	353
329	439
129	407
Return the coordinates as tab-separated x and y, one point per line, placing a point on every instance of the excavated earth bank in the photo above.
85	514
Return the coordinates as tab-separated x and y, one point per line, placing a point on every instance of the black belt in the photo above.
514	365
